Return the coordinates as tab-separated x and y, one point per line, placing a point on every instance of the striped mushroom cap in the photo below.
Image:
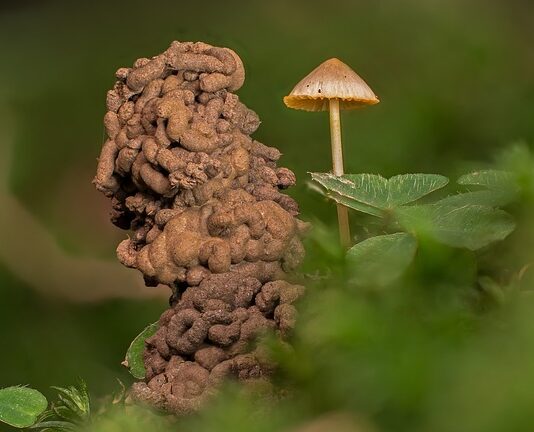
332	79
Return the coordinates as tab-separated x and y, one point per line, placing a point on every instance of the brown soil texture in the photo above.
209	220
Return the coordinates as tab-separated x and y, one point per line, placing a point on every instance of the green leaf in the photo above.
56	425
76	399
501	189
488	198
491	179
492	289
21	406
468	226
373	193
407	188
502	186
367	189
120	395
380	260
353	204
347	202
65	413
134	355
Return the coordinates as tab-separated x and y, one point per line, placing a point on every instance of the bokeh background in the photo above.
455	79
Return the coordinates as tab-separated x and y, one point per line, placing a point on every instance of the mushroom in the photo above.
331	86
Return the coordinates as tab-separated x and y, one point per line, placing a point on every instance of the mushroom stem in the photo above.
337	161
335	136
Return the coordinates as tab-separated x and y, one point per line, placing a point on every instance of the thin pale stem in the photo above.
337	162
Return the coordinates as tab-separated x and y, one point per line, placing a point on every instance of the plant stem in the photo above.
337	161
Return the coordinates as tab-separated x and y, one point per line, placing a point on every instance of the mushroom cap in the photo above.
332	79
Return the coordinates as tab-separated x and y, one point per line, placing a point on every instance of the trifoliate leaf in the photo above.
134	355
373	193
21	406
380	260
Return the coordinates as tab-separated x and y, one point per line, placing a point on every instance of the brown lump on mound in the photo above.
209	220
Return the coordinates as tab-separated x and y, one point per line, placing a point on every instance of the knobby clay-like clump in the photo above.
203	200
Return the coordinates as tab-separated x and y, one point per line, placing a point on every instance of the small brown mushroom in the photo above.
331	86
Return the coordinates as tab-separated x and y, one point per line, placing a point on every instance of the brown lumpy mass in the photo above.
209	335
203	200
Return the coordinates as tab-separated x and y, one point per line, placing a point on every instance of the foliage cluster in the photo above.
426	324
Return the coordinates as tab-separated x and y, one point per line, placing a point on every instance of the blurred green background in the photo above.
455	79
